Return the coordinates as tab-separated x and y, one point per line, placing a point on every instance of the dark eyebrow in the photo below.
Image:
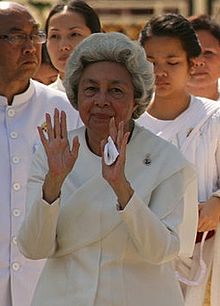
71	28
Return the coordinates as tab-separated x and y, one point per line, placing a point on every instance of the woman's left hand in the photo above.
114	174
209	215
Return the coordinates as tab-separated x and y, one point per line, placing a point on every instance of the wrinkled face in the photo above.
171	66
105	91
46	74
66	30
18	62
207	68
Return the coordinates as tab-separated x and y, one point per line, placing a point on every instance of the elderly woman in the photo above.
106	202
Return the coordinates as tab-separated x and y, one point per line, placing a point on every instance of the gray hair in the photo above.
112	47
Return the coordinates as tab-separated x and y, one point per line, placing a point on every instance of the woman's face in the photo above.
171	66
65	31
207	69
105	91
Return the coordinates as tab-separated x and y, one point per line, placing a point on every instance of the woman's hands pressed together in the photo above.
115	174
61	157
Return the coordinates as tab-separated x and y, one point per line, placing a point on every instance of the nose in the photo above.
199	61
29	46
65	44
101	99
159	71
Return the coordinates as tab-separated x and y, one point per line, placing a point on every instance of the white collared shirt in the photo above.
58	85
18	141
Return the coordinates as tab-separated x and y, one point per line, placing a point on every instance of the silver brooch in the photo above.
147	160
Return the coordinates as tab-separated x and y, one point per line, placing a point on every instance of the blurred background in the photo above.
129	16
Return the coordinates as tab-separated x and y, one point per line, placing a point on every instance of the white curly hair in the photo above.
113	47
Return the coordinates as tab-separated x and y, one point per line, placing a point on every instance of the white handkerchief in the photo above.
110	152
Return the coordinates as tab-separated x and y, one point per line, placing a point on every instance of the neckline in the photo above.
132	126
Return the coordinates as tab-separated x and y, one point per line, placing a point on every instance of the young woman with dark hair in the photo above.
193	125
66	26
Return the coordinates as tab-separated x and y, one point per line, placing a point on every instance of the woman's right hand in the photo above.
61	158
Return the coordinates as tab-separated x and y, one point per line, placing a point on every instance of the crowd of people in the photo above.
110	168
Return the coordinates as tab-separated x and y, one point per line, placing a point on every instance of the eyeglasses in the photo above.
21	38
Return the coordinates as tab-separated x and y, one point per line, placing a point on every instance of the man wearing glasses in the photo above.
23	104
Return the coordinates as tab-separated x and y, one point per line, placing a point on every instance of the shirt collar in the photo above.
20	98
60	84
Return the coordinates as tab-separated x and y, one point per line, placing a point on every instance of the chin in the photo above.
26	74
199	82
30	68
162	93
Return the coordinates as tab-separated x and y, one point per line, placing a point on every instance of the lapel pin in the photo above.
147	160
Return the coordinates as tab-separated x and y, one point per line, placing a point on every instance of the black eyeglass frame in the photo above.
20	38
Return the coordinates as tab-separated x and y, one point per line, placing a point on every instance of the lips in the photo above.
199	75
28	61
102	116
199	72
161	83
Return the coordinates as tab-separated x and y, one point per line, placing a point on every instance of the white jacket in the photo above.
98	255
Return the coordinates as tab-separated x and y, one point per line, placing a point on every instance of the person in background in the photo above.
23	104
193	125
105	202
66	26
46	73
204	78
